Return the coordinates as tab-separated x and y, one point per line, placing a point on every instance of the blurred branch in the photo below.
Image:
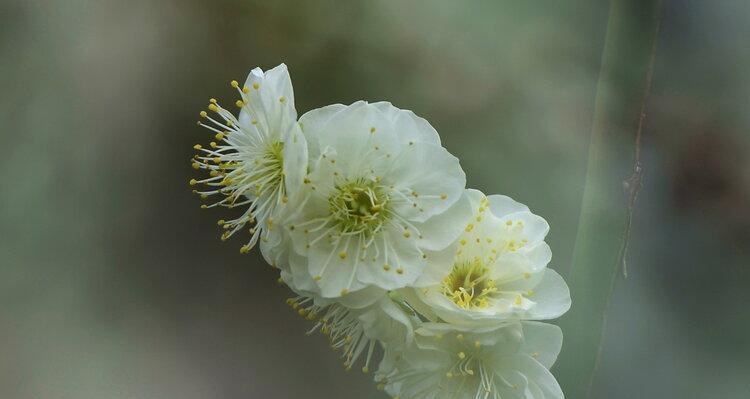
614	164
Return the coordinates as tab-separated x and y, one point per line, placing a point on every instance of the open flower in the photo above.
499	270
510	362
381	193
258	159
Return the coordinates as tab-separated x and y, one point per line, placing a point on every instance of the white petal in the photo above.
432	173
443	229
538	374
502	205
535	228
542	341
349	133
315	121
408	125
272	103
552	297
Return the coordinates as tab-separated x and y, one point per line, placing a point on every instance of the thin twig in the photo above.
634	183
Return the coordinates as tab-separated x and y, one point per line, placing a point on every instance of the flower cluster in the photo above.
433	286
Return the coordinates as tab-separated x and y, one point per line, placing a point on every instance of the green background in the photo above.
114	284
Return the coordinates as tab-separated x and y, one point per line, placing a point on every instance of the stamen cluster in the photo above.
366	216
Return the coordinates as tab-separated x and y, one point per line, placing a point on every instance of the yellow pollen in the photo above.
282	99
461	355
443	196
256	86
213	107
197	146
234	84
469	227
245	89
344	292
204	114
193	182
342	255
239	103
196	165
219	136
386	267
317	278
400	271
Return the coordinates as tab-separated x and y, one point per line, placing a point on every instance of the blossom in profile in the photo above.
256	160
499	270
381	193
446	362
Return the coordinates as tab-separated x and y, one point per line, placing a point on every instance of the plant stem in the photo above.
613	179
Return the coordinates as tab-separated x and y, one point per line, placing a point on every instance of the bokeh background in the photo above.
113	283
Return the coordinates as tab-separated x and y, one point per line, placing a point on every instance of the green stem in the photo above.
612	182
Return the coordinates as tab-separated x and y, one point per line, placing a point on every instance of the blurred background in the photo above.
114	284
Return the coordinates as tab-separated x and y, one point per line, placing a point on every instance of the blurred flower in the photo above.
357	325
445	363
381	192
258	159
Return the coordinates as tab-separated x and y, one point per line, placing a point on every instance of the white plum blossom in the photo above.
258	159
499	270
381	193
445	362
367	218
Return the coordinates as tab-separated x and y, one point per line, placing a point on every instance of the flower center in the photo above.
469	285
359	206
268	170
